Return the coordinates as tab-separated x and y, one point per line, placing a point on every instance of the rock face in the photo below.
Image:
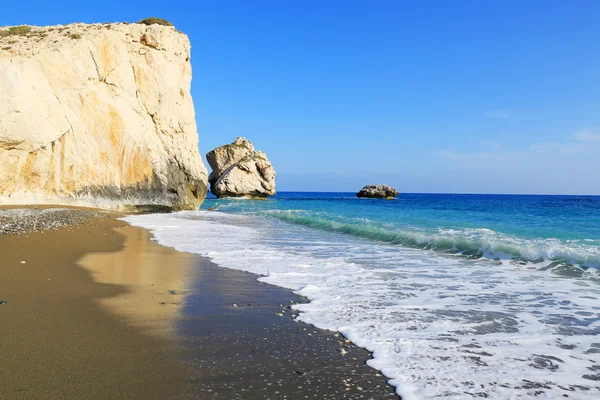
98	115
378	192
239	170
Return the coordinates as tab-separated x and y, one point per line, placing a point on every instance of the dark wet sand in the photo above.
91	315
247	352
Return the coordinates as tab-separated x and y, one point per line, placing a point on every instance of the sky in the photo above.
427	96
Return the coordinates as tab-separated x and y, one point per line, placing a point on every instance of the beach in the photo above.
306	295
502	289
279	201
98	310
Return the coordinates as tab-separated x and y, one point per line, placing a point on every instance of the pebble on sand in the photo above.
19	221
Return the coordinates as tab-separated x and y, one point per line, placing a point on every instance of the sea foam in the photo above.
439	325
471	242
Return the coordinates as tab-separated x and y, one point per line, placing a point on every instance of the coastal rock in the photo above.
239	170
98	115
378	192
225	156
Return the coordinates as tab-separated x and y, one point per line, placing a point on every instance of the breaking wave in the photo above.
472	243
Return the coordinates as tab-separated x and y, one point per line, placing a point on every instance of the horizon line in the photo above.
442	193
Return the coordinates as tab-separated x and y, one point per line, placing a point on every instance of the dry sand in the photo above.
157	279
57	338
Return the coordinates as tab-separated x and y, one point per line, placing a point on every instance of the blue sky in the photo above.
428	96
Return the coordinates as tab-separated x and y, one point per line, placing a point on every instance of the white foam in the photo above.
438	326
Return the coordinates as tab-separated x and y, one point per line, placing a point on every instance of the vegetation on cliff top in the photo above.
155	21
28	31
16	31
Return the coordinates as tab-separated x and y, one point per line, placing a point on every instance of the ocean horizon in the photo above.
485	295
209	195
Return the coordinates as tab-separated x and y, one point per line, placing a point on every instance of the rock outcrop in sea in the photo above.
98	115
238	170
378	192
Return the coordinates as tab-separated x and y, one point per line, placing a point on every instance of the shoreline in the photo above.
252	348
94	312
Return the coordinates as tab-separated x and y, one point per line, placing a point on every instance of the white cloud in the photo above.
554	147
588	136
581	142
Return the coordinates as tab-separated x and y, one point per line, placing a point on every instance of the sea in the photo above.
456	296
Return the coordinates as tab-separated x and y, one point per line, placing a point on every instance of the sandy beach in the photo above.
98	310
289	201
58	340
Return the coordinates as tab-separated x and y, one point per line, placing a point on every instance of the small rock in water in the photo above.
235	305
278	314
3	302
378	192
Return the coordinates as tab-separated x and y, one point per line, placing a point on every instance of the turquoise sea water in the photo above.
457	296
564	229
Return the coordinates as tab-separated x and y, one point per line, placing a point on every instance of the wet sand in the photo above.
100	311
238	348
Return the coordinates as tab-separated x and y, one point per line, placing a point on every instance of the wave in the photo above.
422	315
471	243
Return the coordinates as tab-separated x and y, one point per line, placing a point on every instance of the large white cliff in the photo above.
98	115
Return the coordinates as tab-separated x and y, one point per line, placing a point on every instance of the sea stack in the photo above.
378	192
238	170
98	115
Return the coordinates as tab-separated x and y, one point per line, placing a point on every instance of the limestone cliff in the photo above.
98	115
240	171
